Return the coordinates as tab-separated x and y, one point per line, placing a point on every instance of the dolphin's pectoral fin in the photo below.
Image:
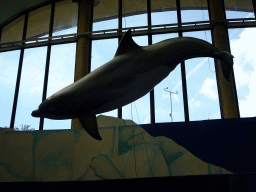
89	123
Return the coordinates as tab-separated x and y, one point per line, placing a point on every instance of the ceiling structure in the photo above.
13	9
105	10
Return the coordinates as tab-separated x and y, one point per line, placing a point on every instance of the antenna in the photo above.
165	89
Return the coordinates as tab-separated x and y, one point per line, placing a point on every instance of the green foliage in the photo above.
24	127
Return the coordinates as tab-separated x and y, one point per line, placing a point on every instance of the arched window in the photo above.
38	49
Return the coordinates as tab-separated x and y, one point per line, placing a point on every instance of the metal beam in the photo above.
47	65
120	13
254	6
39	44
136	31
16	94
182	66
226	90
152	92
83	48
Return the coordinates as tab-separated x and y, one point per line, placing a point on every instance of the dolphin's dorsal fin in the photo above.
126	44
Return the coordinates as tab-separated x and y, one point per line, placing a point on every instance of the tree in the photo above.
23	128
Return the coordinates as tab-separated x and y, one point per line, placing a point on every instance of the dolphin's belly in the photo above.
136	89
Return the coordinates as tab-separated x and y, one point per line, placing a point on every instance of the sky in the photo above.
200	74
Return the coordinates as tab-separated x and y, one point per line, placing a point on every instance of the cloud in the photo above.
244	69
176	97
194	102
191	72
147	120
209	88
242	79
248	104
38	88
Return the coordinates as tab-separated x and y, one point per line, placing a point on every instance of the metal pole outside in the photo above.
165	89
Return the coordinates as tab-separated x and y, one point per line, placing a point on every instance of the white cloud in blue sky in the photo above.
191	72
61	75
209	88
194	102
243	48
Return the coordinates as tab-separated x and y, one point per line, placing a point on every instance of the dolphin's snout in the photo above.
36	113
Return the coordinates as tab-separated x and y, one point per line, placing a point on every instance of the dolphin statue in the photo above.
132	73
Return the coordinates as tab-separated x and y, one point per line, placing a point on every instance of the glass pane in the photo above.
105	14
140	113
203	100
194	11
135	21
38	22
141	40
13	31
65	17
61	74
102	52
242	43
164	102
134	13
161	18
9	62
239	9
236	15
163	12
31	87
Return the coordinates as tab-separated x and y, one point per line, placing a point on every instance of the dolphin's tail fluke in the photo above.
226	63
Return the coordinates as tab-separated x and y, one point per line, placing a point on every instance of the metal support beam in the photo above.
47	65
1	34
83	48
120	13
227	90
183	71
152	92
136	31
254	6
16	94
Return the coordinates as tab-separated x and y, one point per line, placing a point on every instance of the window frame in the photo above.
149	32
